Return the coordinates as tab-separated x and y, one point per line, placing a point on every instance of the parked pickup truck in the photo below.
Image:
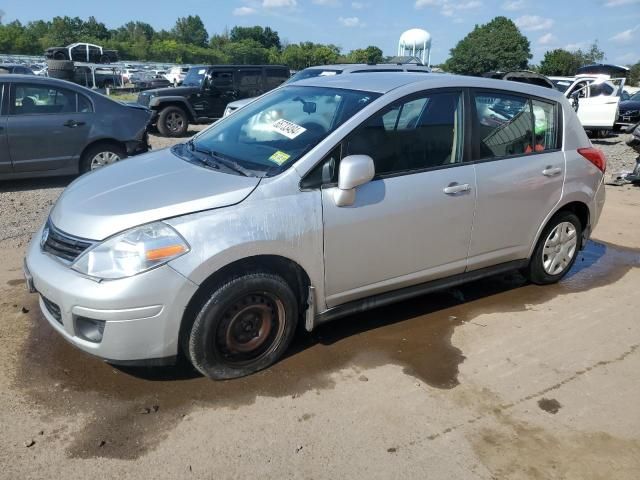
82	52
205	92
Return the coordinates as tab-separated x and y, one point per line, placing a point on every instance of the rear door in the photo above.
520	170
5	159
45	130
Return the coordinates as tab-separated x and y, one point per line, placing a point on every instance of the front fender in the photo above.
286	226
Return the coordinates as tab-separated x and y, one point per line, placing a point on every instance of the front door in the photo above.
520	173
217	92
412	223
44	129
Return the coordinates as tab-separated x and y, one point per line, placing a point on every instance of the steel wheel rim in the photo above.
559	248
174	121
251	328
103	159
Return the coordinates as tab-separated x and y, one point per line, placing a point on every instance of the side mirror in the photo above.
355	170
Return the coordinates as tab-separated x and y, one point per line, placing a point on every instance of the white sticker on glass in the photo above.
287	128
202	71
327	73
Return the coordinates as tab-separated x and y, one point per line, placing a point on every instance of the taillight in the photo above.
595	156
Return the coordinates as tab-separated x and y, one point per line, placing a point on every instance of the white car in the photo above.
597	98
176	75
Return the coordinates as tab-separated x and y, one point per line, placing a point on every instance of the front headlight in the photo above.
132	252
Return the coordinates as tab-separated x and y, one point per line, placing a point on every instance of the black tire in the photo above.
61	69
88	156
245	326
105	59
536	271
173	122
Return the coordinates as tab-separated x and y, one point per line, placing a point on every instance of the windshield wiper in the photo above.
218	159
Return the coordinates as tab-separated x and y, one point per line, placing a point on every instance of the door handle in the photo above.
456	188
72	124
551	171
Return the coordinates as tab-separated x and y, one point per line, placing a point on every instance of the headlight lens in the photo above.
132	252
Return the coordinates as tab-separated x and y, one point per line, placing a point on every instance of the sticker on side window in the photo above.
279	157
202	71
287	128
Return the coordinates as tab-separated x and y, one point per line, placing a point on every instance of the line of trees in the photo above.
187	42
496	45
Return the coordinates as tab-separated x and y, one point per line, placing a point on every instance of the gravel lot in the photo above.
492	380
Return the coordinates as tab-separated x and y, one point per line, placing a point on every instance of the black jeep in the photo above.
205	92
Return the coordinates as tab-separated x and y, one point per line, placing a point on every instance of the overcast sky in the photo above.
351	24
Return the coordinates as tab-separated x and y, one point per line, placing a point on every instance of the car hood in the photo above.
240	103
629	105
144	189
173	92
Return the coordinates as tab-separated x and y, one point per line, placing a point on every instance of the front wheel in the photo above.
245	326
172	122
556	250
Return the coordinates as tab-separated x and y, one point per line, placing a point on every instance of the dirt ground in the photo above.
494	380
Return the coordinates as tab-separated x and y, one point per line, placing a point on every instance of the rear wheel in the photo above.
172	122
101	155
556	250
245	326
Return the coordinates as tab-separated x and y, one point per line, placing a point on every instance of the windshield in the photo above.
635	97
562	85
273	132
195	77
313	72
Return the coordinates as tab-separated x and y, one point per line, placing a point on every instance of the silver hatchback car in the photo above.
320	199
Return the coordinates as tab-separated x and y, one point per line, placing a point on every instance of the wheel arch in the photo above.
578	207
291	271
176	102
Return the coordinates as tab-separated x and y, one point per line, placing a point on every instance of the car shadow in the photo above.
35	183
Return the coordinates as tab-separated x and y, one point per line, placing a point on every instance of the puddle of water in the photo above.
415	334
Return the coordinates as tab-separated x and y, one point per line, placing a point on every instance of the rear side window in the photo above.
249	79
509	125
84	104
545	128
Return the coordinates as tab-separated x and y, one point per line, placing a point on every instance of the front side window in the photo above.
195	77
504	125
420	133
272	133
42	100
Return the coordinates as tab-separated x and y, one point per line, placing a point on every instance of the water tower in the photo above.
416	43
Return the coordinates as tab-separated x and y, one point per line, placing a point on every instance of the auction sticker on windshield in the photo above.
287	128
279	157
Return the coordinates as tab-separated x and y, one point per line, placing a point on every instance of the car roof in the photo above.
385	82
8	78
346	67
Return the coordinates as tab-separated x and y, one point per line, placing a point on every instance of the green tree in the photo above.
371	54
94	30
190	30
264	36
560	62
634	75
497	45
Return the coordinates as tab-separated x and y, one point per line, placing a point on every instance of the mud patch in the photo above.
414	334
550	405
16	281
517	450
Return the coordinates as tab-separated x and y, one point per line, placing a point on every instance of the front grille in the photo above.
62	245
53	309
